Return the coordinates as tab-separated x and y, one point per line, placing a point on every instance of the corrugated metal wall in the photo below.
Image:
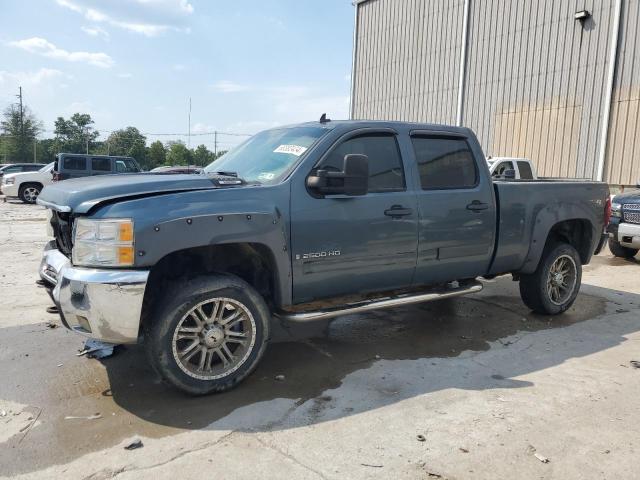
535	78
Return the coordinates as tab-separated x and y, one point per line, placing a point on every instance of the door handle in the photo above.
477	206
397	211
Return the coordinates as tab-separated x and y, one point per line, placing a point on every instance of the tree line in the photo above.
19	142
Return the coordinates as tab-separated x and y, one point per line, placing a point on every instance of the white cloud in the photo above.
227	86
43	47
297	103
32	79
178	67
125	75
95	31
146	17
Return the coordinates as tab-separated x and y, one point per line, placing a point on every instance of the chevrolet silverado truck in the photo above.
624	229
304	223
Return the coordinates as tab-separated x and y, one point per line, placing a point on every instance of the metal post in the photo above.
463	62
353	61
35	150
606	116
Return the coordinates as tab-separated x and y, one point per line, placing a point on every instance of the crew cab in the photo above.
26	185
74	165
305	223
624	229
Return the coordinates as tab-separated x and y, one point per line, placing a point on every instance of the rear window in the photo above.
525	171
101	164
74	163
445	163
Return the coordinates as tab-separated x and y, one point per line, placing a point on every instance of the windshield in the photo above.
46	167
267	156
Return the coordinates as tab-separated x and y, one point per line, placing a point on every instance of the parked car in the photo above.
177	169
20	167
523	168
72	165
393	213
624	229
26	185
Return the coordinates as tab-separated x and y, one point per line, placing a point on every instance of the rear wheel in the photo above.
620	251
555	284
209	334
29	192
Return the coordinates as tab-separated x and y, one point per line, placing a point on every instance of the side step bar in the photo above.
379	303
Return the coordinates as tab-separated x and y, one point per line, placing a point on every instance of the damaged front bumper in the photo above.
98	303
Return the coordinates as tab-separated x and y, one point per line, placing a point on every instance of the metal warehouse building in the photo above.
557	81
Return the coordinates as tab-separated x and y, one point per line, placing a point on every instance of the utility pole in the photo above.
21	143
35	150
189	135
215	144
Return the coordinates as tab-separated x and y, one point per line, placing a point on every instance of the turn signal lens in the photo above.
126	232
125	256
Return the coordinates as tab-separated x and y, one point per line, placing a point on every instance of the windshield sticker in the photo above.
266	176
292	149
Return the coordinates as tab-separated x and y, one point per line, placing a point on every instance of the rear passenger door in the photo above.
101	165
355	244
456	207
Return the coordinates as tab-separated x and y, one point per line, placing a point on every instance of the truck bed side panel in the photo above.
529	210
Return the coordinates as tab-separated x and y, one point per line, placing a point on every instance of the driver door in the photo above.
355	244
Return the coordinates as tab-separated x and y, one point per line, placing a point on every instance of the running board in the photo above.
379	303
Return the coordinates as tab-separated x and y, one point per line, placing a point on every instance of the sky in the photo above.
246	64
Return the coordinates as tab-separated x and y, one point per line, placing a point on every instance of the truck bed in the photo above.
529	209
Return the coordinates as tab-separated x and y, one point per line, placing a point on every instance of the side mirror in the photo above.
509	174
353	180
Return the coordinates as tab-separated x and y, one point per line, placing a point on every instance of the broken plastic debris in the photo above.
280	378
97	349
90	417
542	458
134	445
635	363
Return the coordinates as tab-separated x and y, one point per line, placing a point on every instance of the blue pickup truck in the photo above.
304	223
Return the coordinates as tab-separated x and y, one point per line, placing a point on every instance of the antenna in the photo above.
324	119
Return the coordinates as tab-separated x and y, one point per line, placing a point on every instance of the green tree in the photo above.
178	153
75	135
156	155
19	134
202	156
128	142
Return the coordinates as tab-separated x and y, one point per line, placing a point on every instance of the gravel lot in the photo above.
474	387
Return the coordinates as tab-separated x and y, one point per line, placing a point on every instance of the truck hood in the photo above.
631	197
79	195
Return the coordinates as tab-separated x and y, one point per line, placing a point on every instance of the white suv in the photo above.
27	185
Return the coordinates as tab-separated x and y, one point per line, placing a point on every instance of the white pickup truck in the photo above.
27	185
522	167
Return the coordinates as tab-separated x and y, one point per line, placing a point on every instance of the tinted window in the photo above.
32	168
385	165
101	164
444	163
14	169
74	163
503	167
525	170
126	165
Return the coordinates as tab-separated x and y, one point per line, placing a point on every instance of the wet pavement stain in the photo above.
132	401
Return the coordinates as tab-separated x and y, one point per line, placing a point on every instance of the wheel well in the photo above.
26	184
253	262
577	233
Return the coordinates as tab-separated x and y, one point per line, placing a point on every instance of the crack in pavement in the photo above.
290	457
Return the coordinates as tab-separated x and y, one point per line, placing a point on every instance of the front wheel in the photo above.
29	192
555	284
209	334
621	251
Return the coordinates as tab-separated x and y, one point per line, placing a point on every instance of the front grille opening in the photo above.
61	223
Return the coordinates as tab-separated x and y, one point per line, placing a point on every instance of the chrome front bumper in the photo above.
629	235
98	303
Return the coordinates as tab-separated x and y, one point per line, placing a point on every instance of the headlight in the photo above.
616	210
103	242
9	181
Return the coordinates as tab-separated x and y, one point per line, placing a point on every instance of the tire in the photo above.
29	192
620	251
542	290
178	324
